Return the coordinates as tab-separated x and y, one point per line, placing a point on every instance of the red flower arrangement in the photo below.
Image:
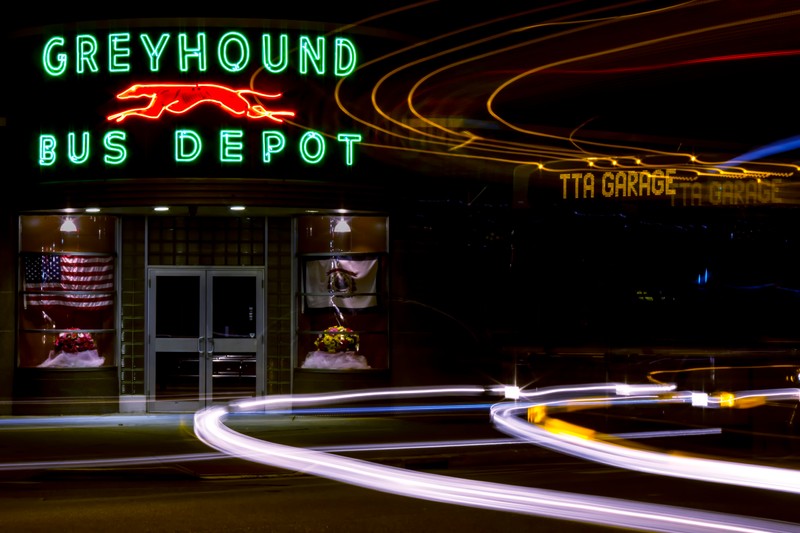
73	342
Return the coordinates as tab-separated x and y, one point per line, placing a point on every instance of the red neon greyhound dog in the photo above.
179	98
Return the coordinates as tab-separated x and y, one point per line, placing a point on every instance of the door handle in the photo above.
210	346
201	346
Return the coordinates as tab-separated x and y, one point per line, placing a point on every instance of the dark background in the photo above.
712	79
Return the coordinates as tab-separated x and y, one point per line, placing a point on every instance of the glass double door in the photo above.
205	336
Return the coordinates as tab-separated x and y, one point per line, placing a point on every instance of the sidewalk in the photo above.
165	445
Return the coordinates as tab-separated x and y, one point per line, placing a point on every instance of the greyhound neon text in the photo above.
232	52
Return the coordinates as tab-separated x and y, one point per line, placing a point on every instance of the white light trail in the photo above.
111	462
506	418
210	428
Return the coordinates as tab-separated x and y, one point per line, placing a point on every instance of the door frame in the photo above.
206	276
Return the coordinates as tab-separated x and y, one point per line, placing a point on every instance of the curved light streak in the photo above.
506	418
784	145
609	52
651	376
210	428
551	152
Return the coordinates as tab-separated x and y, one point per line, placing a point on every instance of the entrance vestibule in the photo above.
206	336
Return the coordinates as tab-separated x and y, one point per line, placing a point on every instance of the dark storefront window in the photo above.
342	320
67	297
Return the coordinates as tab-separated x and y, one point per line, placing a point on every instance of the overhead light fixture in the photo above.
342	226
92	209
161	208
68	226
237	208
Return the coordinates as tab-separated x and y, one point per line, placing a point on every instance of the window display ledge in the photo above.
308	381
66	391
342	370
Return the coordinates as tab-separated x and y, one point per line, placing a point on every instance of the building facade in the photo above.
192	216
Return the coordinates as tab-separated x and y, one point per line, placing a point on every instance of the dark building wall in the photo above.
451	252
8	251
475	280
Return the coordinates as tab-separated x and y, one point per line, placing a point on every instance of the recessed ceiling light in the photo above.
161	208
237	208
92	209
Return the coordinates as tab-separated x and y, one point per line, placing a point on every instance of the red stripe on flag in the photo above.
71	281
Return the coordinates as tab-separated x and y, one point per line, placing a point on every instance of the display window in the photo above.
67	293
342	319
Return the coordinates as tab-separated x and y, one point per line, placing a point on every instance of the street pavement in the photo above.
166	445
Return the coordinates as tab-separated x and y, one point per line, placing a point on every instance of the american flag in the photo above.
69	280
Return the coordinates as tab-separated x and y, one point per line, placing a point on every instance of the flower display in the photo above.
73	341
337	339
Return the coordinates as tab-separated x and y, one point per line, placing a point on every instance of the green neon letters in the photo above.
231	146
114	143
190	52
79	153
189	146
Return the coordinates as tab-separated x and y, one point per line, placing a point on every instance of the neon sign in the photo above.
178	98
188	146
624	184
192	52
232	53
